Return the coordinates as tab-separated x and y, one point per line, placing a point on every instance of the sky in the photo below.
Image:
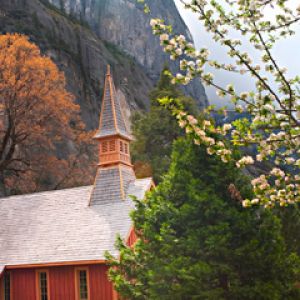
287	53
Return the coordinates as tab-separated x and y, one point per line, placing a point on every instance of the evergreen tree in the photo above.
196	241
156	130
290	218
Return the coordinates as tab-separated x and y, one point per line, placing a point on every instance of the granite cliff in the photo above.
123	23
82	36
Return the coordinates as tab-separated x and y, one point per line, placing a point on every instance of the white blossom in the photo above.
273	127
178	51
153	22
164	37
227	127
246	160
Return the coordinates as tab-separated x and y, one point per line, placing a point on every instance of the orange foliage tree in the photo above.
43	143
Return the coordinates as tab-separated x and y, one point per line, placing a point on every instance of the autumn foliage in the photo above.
43	143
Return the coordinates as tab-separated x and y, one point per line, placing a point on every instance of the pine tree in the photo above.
156	130
196	241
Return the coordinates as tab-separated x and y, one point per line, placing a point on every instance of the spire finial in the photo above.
108	70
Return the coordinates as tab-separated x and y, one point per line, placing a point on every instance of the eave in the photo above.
56	264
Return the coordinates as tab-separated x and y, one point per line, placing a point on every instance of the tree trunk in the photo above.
3	192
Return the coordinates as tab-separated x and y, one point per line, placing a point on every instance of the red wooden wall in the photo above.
131	238
61	283
23	284
100	287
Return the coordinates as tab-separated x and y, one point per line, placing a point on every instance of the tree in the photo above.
195	240
290	218
156	130
38	119
274	103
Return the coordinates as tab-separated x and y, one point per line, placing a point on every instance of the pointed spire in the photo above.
111	118
108	70
115	171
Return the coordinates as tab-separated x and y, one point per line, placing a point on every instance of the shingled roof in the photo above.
60	226
111	183
111	119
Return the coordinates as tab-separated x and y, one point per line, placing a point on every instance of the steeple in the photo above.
111	118
115	171
112	135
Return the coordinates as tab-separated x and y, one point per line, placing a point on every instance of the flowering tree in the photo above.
274	107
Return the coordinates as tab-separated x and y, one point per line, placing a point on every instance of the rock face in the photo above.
79	53
124	23
83	36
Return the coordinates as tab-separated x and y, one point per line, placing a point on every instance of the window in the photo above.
43	289
82	284
7	283
121	146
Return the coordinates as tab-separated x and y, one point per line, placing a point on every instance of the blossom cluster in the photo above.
285	188
273	107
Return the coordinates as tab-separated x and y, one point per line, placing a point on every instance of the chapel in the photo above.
52	243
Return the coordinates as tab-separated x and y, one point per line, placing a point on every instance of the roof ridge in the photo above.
47	191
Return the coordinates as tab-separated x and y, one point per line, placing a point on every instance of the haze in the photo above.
286	52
